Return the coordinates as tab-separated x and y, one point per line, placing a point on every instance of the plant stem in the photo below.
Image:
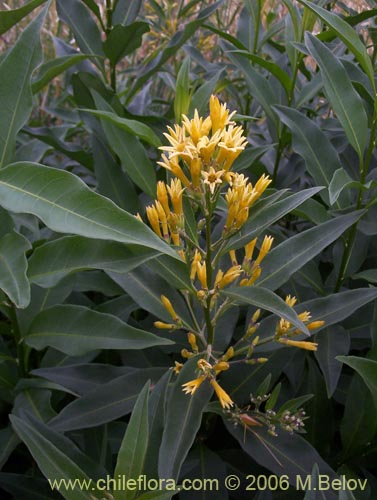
208	261
18	341
348	246
257	28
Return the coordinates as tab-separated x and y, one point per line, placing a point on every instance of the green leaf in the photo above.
133	450
76	330
132	155
16	69
321	158
76	15
358	425
271	67
287	258
108	402
54	68
56	259
342	180
52	461
66	204
132	126
265	299
9	18
182	91
82	378
8	442
264	215
367	369
28	487
331	343
112	181
348	36
369	275
286	453
346	102
13	279
183	419
126	11
259	86
122	40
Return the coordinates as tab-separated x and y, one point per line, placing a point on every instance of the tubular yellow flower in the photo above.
162	196
202	274
231	275
175	192
224	398
302	344
304	316
197	127
178	367
152	216
169	307
291	301
262	184
192	386
196	259
315	324
229	354
220	116
265	248
255	316
212	178
195	170
257	271
206	146
231	145
164	326
233	258
138	217
204	366
192	341
249	249
163	220
172	165
221	366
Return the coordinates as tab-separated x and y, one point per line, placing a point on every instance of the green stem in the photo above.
350	241
277	159
246	348
257	28
208	261
18	341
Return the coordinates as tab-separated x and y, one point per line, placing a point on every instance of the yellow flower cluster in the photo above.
166	221
284	329
240	197
209	372
206	148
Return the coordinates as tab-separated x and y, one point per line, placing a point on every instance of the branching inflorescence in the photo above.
199	160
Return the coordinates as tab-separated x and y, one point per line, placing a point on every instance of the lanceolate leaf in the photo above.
183	419
348	36
131	153
132	126
76	330
54	463
9	18
265	299
287	453
15	92
367	369
134	445
281	262
122	40
106	403
13	264
78	18
55	259
65	204
343	97
313	145
262	219
53	68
